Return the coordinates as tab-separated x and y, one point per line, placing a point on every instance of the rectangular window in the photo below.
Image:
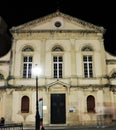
57	66
88	69
27	66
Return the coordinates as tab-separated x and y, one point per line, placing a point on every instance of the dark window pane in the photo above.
25	104
90	58
30	59
60	59
84	58
25	59
90	104
55	59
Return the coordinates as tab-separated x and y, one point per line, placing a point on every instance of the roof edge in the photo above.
58	13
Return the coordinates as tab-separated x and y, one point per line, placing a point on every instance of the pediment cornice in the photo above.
58	83
55	31
27	26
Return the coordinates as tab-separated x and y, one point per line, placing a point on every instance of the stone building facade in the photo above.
77	85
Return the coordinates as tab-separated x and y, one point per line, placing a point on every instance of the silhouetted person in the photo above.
41	125
2	121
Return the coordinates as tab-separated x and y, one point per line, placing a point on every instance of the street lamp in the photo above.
36	72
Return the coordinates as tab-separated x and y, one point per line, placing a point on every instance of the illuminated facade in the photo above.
78	79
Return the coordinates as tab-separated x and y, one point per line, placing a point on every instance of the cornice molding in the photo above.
7	62
55	31
57	14
111	61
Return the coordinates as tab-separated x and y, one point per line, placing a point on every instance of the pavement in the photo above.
112	127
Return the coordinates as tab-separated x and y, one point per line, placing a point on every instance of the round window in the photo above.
58	24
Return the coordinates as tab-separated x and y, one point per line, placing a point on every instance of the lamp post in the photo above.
37	123
36	72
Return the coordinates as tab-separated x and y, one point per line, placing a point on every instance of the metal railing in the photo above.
18	126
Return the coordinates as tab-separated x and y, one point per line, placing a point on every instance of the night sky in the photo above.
98	12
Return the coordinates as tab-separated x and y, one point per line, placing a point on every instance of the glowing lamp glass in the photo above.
36	71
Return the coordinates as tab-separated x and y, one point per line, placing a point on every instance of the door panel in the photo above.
58	110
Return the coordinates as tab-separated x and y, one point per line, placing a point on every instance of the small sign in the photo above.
71	109
44	107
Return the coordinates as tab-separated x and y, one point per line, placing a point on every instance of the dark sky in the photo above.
98	12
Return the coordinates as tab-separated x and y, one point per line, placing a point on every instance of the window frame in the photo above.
88	64
88	50
58	63
25	103
27	76
27	51
57	51
90	107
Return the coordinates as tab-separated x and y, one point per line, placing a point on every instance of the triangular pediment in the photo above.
57	21
58	85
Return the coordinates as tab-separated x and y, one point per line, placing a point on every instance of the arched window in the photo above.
25	104
1	76
90	104
27	66
87	48
113	75
57	62
27	49
57	48
87	61
27	62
